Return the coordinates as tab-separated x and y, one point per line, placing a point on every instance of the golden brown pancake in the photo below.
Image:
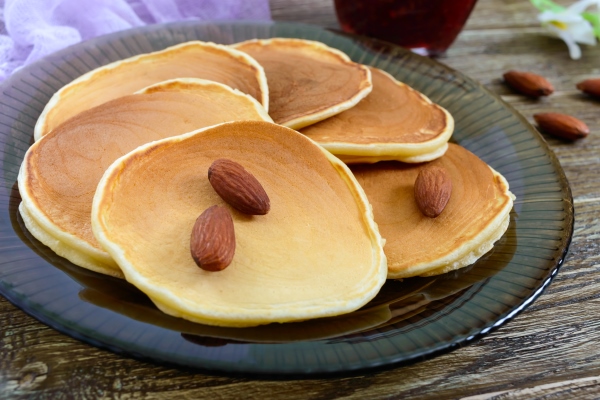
60	172
187	60
316	253
475	217
394	122
308	81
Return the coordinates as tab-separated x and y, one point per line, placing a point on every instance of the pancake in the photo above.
476	215
187	60
395	122
60	172
308	81
195	86
316	253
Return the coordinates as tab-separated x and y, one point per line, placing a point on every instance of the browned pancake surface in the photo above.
186	61
392	113
305	79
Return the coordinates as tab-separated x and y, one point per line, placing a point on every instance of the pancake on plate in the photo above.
475	217
60	172
187	60
308	81
316	253
394	122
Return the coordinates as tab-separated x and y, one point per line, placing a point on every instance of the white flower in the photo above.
570	26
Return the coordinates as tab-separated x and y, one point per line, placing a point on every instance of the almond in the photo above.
433	188
590	86
562	125
529	84
238	187
212	243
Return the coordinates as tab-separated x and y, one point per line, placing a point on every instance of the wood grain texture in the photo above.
314	12
551	350
584	388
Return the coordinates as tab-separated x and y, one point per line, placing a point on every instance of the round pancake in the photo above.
476	215
187	60
316	253
308	81
395	122
60	172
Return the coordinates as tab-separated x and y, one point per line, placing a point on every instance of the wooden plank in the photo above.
315	12
583	389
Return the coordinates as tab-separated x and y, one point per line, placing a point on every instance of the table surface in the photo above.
552	349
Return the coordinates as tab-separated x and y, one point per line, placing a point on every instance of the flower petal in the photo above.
564	17
574	50
582	33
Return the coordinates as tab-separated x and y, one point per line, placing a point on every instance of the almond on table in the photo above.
590	86
528	83
562	125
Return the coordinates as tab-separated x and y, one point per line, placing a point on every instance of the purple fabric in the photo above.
35	28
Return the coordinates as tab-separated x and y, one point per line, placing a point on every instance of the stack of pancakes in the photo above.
118	175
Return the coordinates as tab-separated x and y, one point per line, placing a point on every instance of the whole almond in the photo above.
212	243
238	187
528	83
561	125
433	188
590	86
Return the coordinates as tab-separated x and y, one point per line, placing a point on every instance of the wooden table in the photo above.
551	349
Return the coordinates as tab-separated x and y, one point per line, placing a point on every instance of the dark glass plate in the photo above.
407	321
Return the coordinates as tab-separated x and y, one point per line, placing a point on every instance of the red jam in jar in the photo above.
427	26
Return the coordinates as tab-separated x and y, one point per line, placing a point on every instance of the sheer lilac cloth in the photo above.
35	28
